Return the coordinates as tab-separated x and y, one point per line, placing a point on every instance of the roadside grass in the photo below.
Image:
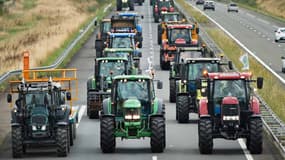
272	86
29	4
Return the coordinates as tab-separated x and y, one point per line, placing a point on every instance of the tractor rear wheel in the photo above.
119	5
157	139
107	135
205	136
140	2
71	134
159	32
172	90
131	5
17	142
255	137
182	107
156	18
62	141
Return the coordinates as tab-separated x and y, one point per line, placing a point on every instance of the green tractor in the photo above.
125	4
41	116
184	84
99	85
133	112
132	55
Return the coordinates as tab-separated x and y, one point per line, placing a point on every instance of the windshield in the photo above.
122	42
171	17
180	34
164	4
106	27
136	89
195	70
235	88
116	67
117	54
233	5
37	98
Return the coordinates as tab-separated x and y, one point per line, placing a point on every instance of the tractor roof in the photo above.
122	34
230	75
112	58
200	59
118	50
128	14
170	13
180	26
132	77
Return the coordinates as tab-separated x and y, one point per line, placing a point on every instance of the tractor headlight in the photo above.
34	128
124	1
128	117
203	90
132	117
43	128
230	118
136	117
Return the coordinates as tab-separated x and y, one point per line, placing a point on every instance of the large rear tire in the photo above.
71	134
119	5
157	139
107	135
159	32
131	5
182	109
205	136
62	141
172	90
17	142
255	137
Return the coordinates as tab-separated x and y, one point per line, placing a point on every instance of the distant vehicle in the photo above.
209	5
279	34
200	2
232	7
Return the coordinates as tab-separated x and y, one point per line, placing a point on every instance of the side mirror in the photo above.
259	82
139	54
68	96
95	23
231	65
159	84
9	98
197	30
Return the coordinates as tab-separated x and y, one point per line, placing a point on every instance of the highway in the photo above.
254	30
181	139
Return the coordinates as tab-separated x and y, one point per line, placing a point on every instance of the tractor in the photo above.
132	55
171	37
99	85
133	112
230	111
104	29
117	40
128	22
171	18
126	4
183	84
40	114
160	7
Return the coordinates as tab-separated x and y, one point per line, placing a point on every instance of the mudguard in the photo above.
158	107
91	83
181	88
62	115
203	107
106	109
254	105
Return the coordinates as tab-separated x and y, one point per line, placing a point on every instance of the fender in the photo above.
63	114
203	107
91	83
254	105
158	107
106	109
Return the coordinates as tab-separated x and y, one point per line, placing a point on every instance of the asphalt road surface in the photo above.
181	140
254	30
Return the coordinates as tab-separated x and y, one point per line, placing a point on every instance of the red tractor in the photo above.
173	37
230	111
162	6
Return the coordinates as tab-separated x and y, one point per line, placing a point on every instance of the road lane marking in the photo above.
263	21
80	114
248	156
154	157
105	9
150	58
250	15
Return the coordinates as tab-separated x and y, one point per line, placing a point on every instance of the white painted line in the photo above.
254	30
279	45
105	9
250	15
268	39
154	157
80	114
263	35
259	32
263	21
274	26
245	151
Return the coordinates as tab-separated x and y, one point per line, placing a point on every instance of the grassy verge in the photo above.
272	86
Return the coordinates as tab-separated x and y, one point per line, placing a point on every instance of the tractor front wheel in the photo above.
182	107
157	139
205	136
172	90
107	135
255	137
17	142
62	141
119	5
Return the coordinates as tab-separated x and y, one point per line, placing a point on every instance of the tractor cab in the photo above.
170	17
128	20
162	6
123	40
180	35
133	57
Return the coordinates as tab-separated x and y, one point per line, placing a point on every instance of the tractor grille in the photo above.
39	119
230	110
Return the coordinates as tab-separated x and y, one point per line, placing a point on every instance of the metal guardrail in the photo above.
271	122
59	60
